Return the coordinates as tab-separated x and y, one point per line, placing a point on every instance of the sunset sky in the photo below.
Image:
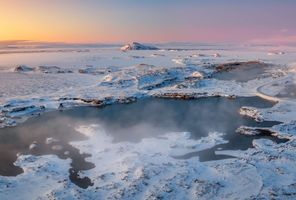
85	21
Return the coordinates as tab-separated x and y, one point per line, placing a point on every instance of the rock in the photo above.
96	102
143	65
6	122
244	130
61	106
50	140
181	61
275	53
252	113
198	55
42	69
108	78
195	75
57	147
157	55
33	145
51	69
126	100
98	70
23	68
155	79
137	46
217	55
238	65
176	95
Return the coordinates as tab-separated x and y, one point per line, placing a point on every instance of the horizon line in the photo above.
40	42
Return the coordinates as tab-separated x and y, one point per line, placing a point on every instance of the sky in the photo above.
112	21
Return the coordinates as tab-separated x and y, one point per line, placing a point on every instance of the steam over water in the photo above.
52	132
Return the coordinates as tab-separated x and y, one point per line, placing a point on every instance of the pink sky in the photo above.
149	21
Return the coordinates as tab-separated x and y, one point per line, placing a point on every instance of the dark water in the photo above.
242	74
130	122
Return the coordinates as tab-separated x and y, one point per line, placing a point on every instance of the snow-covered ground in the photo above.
35	82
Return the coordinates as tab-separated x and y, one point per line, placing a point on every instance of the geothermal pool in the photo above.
52	132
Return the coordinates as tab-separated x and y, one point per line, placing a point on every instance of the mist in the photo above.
52	132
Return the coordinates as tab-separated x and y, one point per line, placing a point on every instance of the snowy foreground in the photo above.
42	81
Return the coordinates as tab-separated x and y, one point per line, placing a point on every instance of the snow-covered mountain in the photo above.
137	46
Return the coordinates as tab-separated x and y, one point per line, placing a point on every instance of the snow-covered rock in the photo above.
51	69
275	53
195	75
216	55
42	69
252	113
251	131
50	140
33	145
